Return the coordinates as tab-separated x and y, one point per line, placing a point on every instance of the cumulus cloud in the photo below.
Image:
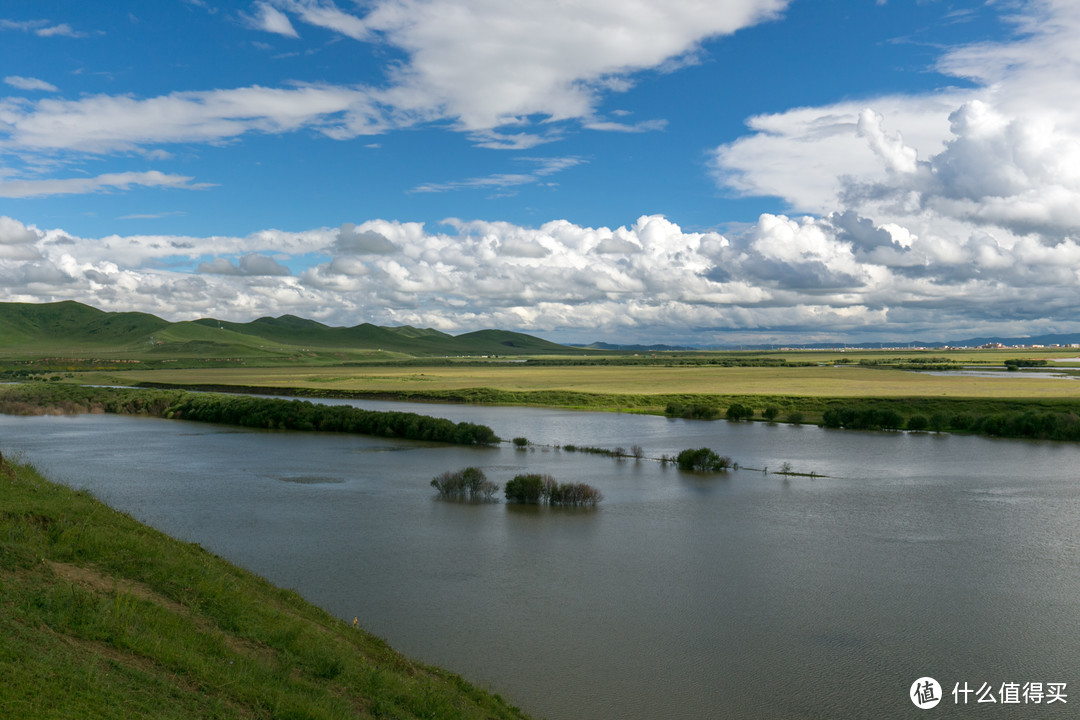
1004	154
783	277
960	206
17	241
250	264
350	241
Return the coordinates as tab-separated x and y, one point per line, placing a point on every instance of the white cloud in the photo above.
13	232
17	241
271	20
61	30
251	264
492	64
41	28
640	127
543	168
806	155
101	183
488	66
350	241
327	15
25	83
782	278
110	123
959	207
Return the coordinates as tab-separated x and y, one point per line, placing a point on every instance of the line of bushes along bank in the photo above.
975	417
254	412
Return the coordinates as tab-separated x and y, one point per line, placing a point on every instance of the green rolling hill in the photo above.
54	326
71	329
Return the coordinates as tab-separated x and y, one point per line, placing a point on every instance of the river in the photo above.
737	595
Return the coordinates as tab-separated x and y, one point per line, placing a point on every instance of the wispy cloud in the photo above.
152	216
639	127
326	15
543	168
492	69
26	83
269	19
101	183
122	123
41	28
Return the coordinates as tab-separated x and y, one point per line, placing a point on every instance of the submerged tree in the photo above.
527	489
534	489
470	483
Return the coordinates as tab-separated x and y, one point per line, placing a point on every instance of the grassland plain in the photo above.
103	617
645	388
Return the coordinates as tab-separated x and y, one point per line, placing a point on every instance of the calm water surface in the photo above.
742	595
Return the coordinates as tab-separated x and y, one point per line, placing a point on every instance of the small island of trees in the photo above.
467	484
529	489
533	489
702	460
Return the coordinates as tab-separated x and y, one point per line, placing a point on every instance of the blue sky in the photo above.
684	171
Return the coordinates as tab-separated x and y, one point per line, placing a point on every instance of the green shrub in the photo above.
527	489
738	411
535	489
918	423
693	411
702	460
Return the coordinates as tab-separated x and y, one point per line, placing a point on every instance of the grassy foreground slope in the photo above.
102	617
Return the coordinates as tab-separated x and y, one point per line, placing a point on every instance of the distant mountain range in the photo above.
1047	340
70	327
1063	339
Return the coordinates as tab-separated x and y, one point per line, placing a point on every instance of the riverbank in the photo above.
1036	418
37	398
1030	418
105	616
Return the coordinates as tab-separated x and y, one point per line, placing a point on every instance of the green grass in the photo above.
617	386
102	617
82	335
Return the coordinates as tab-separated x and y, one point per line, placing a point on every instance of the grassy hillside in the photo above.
58	326
70	329
103	617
